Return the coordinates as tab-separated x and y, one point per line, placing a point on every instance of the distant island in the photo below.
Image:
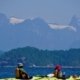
34	57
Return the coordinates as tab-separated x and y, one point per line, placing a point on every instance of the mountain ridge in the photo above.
31	56
37	33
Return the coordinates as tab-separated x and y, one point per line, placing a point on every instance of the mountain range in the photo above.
36	32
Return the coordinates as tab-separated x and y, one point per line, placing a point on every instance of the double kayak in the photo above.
54	78
44	78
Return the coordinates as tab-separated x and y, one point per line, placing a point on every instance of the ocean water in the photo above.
42	71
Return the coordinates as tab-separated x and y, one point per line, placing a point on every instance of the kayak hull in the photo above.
42	78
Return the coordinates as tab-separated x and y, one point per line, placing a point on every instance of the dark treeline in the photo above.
31	56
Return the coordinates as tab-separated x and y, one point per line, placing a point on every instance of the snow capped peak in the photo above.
59	26
14	20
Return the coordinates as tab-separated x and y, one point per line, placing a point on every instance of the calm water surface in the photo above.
10	71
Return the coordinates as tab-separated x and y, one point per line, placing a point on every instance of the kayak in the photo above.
54	78
43	78
9	79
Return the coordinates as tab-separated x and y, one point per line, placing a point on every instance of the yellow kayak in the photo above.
9	79
43	78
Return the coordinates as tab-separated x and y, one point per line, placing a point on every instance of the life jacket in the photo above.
57	74
21	75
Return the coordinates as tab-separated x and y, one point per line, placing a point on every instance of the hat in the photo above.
58	67
20	64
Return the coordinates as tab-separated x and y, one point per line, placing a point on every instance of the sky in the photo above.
53	11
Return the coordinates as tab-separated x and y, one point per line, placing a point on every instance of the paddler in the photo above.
21	73
57	71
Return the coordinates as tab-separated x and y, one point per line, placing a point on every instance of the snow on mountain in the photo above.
14	20
59	26
37	33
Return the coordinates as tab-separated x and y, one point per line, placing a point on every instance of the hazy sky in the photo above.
53	11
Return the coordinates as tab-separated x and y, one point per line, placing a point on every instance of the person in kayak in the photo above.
21	73
57	71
